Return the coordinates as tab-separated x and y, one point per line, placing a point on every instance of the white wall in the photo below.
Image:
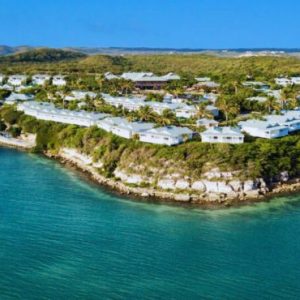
221	139
160	140
265	133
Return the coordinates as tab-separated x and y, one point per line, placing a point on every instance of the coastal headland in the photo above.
216	190
193	129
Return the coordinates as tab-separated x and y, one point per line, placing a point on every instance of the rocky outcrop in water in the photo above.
214	185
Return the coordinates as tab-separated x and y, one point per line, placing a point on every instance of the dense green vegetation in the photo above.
41	55
220	68
266	158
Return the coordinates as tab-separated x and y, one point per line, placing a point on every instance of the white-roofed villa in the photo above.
169	135
273	126
146	132
145	80
288	121
40	79
207	123
16	80
121	127
213	110
59	80
48	112
135	103
228	135
284	81
263	129
14	98
80	95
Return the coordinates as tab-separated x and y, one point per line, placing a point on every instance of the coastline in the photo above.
156	196
26	142
86	167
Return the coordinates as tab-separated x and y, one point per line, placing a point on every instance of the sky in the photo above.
209	24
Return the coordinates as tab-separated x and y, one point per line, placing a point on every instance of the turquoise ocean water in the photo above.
62	237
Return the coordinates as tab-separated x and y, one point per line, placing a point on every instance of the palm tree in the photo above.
293	103
167	118
202	112
127	86
228	107
272	104
146	113
131	117
90	103
236	85
285	94
177	91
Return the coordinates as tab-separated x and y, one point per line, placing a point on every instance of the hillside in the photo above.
106	63
219	68
196	64
7	50
41	55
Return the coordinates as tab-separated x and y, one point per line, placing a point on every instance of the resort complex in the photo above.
189	134
147	109
169	135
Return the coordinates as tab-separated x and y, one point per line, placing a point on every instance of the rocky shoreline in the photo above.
260	193
24	142
216	193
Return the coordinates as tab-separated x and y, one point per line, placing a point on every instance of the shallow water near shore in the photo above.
62	237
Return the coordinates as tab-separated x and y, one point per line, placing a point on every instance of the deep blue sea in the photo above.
62	237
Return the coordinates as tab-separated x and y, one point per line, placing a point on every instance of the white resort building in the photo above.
181	110
256	85
207	123
227	135
169	135
273	126
213	110
145	80
59	80
185	111
202	82
40	79
284	81
16	80
48	112
131	104
121	127
295	80
263	129
80	95
203	79
292	123
210	97
14	98
7	87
